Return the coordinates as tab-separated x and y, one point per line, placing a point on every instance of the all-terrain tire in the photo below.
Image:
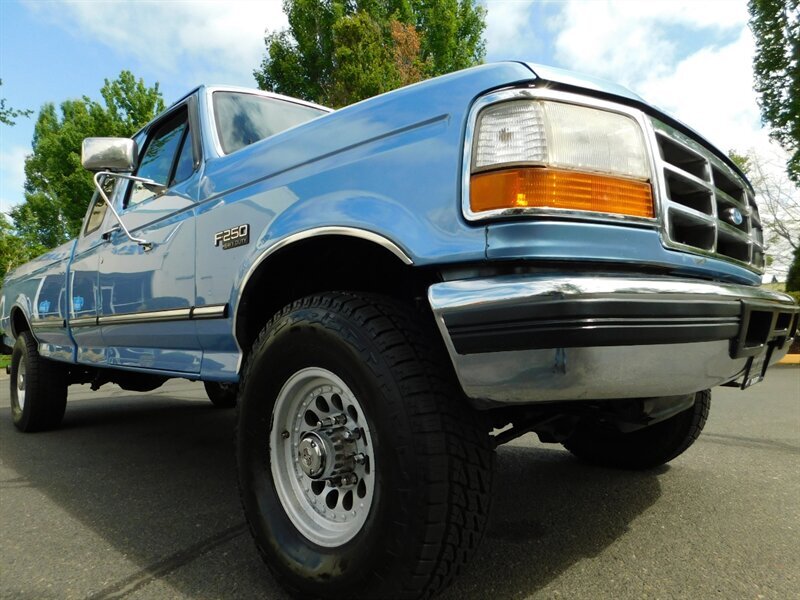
645	448
433	460
222	395
38	387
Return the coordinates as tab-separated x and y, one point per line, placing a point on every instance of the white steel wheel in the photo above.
21	384
321	457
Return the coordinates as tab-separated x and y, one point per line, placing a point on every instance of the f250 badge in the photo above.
233	237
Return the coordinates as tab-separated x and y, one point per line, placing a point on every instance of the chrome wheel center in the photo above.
321	457
312	455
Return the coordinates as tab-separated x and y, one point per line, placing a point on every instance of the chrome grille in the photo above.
700	199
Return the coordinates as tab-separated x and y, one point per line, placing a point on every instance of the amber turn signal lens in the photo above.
540	187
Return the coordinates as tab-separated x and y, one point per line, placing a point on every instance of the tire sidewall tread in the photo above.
645	448
45	388
433	452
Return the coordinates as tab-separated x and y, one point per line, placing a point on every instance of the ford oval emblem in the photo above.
733	215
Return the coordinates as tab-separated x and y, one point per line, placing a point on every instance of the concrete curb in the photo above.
790	359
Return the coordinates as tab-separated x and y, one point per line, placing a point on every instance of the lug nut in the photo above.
349	479
333	421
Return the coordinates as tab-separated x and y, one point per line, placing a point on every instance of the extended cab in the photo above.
391	290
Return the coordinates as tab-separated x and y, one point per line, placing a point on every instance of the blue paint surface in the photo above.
390	165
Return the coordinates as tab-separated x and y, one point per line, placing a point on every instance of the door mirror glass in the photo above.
109	154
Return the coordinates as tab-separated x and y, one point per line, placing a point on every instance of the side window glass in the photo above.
99	207
159	157
185	165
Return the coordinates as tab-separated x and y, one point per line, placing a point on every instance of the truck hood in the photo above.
587	82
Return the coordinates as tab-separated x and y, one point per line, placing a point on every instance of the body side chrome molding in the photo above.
213	311
43	323
83	321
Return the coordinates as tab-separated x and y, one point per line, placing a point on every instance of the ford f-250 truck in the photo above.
391	290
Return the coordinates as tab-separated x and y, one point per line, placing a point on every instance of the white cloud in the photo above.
507	28
12	176
640	44
712	91
627	41
215	39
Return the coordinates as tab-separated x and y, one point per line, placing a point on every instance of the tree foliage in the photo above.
793	278
57	188
337	52
8	114
740	160
776	27
13	249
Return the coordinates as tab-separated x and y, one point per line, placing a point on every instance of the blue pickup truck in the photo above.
391	290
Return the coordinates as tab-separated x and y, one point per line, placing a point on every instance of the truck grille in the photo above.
702	199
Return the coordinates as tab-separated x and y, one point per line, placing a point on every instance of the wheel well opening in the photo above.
18	322
327	263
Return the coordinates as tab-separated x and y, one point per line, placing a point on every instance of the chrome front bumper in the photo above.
526	339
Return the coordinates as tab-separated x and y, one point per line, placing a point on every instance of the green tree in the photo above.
337	52
793	278
740	160
57	188
8	114
13	249
776	28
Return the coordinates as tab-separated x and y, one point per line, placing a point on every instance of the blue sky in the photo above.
690	57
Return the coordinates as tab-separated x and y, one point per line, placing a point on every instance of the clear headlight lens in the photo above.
604	151
594	140
560	135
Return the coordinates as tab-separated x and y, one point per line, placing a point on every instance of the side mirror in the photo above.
109	154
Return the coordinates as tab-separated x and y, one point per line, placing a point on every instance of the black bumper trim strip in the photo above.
590	322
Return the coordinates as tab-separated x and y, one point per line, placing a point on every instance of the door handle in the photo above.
107	234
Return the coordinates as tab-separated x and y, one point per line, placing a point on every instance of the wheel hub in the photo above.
313	455
330	453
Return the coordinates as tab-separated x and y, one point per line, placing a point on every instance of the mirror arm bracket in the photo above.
148	183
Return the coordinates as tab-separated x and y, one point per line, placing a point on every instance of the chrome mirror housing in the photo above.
109	154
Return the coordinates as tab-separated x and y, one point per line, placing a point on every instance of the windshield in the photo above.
243	119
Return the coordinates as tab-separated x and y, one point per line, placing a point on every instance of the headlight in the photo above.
544	154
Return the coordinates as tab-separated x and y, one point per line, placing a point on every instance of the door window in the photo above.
99	207
163	156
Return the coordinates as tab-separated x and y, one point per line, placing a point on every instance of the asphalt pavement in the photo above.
135	497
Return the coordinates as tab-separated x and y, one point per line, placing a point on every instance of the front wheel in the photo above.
363	473
645	448
38	387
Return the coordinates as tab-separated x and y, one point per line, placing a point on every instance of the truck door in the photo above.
84	291
146	293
